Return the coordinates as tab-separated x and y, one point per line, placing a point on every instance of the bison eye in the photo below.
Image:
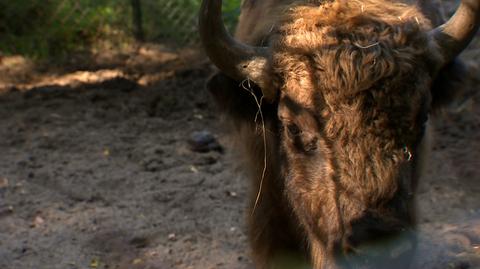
293	129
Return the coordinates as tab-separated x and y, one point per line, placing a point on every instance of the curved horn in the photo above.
237	60
454	35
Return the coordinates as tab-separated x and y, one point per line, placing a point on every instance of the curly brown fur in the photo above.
345	137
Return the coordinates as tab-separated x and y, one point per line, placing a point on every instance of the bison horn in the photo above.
454	35
237	60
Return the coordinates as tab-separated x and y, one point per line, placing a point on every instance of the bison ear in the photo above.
235	100
451	88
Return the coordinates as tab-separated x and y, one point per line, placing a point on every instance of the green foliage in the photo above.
231	11
177	19
51	28
55	27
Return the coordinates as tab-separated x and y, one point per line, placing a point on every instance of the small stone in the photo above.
172	237
204	141
37	222
231	194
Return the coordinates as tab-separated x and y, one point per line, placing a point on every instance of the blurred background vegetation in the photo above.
55	28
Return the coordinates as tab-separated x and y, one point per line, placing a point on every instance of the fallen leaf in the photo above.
94	263
193	169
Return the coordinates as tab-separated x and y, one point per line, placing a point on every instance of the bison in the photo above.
329	102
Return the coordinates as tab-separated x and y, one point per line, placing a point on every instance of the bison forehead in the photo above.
343	49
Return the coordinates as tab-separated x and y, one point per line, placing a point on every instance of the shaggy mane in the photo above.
348	45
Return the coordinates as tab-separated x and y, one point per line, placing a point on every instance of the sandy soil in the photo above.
96	171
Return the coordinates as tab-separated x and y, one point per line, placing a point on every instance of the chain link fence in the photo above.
52	27
178	22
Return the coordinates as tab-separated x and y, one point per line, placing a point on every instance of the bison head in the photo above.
351	82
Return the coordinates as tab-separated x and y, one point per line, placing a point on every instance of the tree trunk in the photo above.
137	20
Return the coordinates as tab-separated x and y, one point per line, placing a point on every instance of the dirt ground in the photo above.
96	170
